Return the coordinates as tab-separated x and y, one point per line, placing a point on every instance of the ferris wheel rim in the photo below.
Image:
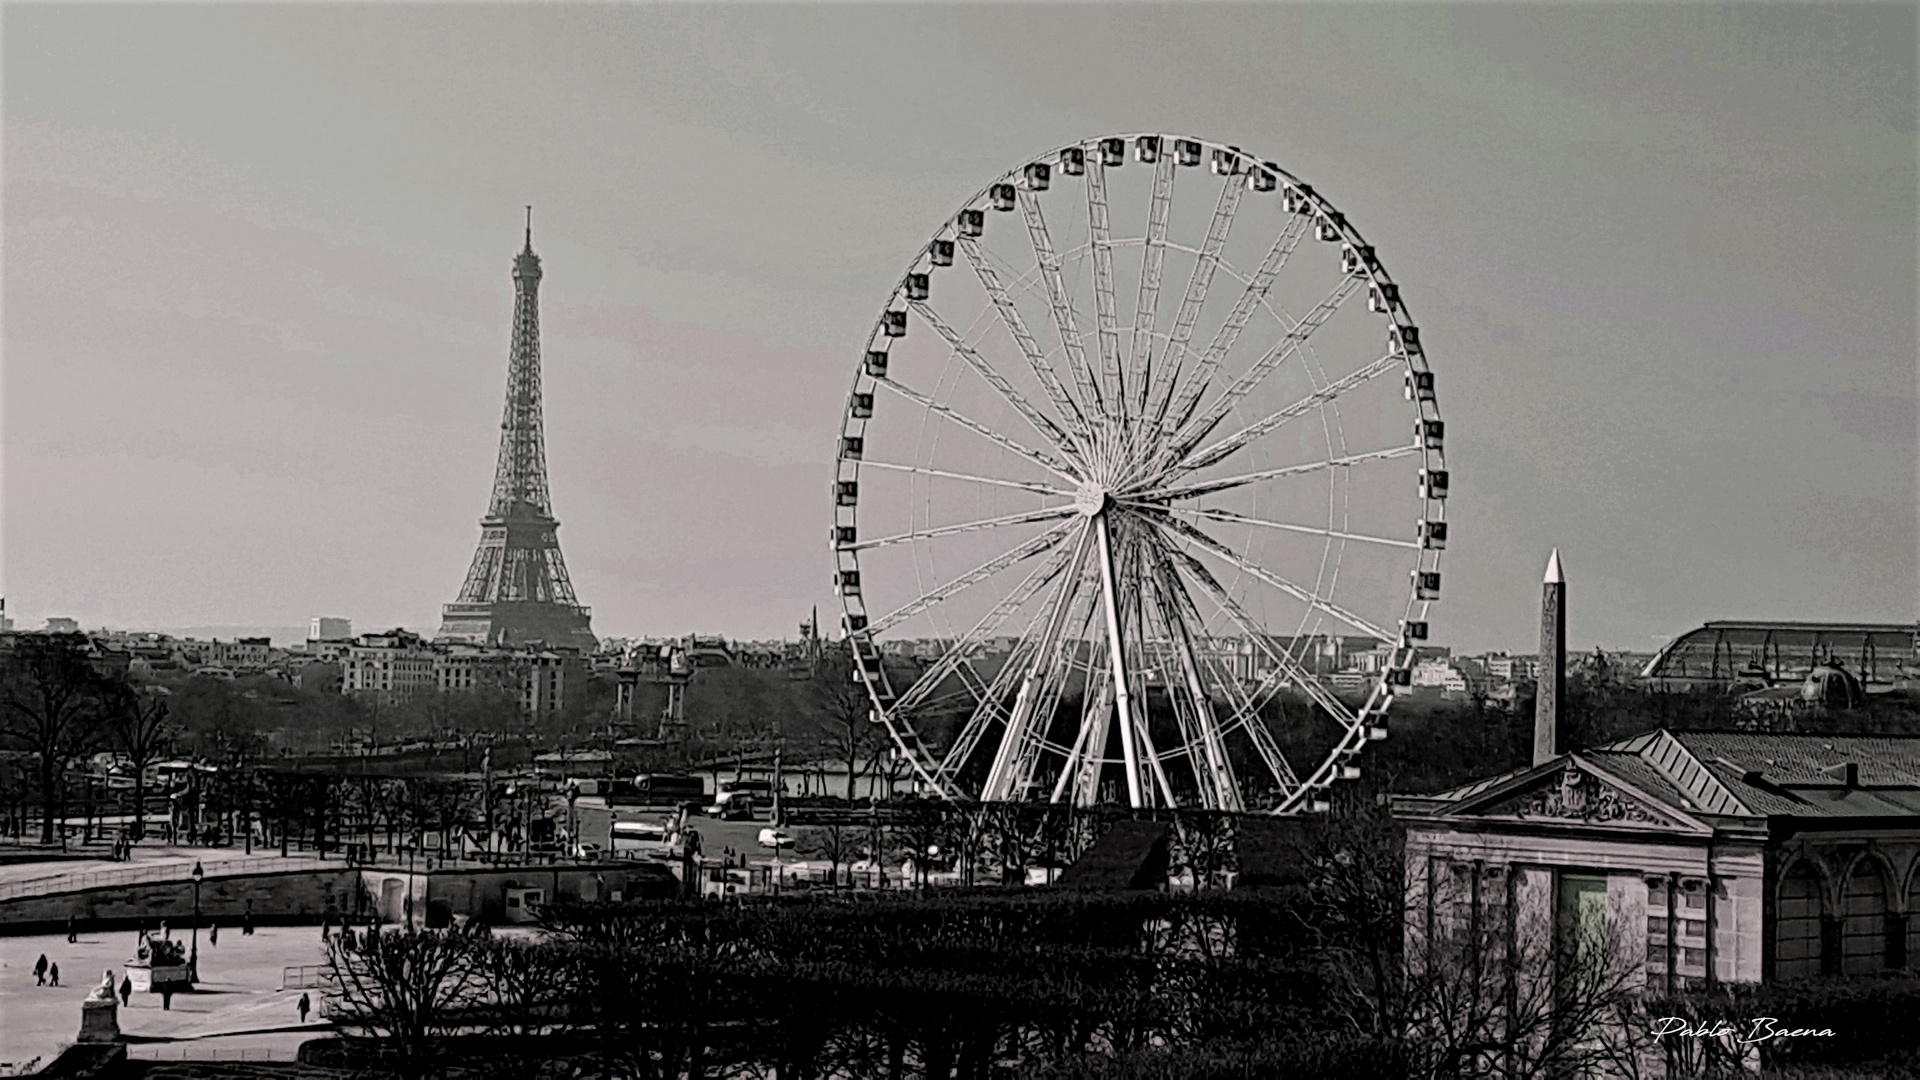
1411	360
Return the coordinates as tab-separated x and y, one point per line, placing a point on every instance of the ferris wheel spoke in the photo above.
1041	423
1162	496
1146	305
1048	463
1284	664
972	577
1016	325
1213	769
919	470
1226	554
1331	392
1060	303
1247	715
1011	761
1196	380
1100	238
1198	283
1028	518
1244	519
1191	432
923	689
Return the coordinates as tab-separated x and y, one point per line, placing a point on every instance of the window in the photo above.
1582	923
1796	941
1863	938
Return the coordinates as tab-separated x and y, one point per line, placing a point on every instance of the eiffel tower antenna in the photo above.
517	591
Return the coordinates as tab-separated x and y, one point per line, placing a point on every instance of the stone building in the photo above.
1715	857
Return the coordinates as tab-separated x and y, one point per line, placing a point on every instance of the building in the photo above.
250	653
1501	667
517	592
1719	856
388	668
1440	675
60	625
1726	654
1695	857
327	628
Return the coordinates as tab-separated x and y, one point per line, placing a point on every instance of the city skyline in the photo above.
249	384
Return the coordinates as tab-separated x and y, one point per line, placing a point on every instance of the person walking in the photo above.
213	934
73	933
53	974
126	989
40	971
304	1006
166	997
246	921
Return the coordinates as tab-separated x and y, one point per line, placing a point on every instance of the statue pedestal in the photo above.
99	1021
153	978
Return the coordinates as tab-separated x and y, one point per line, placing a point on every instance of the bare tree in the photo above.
50	695
142	729
1511	992
408	986
846	719
834	841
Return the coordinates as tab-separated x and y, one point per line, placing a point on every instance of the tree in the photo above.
51	696
846	718
835	842
140	727
407	986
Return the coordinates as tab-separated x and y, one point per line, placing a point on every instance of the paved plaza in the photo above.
238	1005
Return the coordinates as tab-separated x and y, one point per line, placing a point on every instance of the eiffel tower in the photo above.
517	591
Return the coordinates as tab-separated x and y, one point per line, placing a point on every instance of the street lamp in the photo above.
193	959
573	821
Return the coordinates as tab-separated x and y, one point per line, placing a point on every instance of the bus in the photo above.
658	789
742	799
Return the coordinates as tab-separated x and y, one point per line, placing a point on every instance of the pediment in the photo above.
1571	793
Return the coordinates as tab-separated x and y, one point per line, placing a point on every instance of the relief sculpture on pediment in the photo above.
1578	796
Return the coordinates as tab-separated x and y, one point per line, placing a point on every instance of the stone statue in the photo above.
100	1013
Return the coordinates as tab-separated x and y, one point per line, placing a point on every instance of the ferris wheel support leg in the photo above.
1123	698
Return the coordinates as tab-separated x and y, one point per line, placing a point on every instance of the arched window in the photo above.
1796	936
1863	937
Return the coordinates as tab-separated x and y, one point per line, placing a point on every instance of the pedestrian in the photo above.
246	921
126	989
73	933
53	974
40	971
304	1006
326	923
166	997
213	934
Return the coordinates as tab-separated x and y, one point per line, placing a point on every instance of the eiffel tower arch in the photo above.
517	591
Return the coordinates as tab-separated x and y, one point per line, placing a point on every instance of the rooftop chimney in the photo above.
1551	685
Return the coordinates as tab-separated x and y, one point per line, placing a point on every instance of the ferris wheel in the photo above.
1128	507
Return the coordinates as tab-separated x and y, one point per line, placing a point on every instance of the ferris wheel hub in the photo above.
1092	498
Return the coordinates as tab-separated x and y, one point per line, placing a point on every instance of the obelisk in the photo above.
1550	682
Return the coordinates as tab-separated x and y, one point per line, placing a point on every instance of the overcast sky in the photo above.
257	293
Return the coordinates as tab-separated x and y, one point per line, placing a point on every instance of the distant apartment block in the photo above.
389	668
327	628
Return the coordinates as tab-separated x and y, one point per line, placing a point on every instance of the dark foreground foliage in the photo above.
980	984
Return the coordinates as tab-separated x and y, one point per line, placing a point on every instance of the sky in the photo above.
257	297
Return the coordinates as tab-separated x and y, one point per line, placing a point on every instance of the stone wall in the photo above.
300	896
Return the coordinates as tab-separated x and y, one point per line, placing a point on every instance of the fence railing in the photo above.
169	871
211	1053
306	977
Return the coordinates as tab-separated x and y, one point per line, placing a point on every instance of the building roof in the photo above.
1733	774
